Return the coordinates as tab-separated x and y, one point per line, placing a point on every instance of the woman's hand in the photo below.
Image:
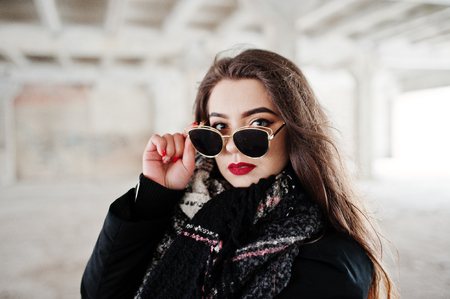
169	160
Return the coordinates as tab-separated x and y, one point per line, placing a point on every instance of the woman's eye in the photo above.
261	122
219	126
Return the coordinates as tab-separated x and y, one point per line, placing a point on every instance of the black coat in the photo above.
333	267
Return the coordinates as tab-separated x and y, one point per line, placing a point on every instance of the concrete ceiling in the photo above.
139	34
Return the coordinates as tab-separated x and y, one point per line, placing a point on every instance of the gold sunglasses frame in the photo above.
268	131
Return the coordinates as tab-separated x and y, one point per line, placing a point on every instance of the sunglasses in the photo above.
254	142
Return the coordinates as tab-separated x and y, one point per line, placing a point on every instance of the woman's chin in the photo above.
242	181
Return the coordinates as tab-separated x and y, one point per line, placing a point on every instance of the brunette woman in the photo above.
265	209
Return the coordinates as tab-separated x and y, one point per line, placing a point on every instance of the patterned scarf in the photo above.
229	242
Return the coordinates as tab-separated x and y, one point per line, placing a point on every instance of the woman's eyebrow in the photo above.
257	110
246	113
215	114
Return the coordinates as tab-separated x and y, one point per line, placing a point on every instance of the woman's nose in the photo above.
230	146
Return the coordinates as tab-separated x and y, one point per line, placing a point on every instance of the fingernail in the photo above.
175	159
163	152
194	123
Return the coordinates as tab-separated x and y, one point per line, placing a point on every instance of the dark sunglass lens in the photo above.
251	142
207	142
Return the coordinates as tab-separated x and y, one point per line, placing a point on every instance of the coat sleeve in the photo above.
126	242
333	267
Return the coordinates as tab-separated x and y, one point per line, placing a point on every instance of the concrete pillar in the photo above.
363	71
170	101
279	29
8	167
173	88
386	89
281	37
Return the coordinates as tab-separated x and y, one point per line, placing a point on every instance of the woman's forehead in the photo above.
238	97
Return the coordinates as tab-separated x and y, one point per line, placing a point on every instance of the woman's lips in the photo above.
240	168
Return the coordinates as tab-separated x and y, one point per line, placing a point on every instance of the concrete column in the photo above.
386	89
363	71
8	165
167	88
281	37
279	29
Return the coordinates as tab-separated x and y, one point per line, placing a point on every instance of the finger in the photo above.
189	156
179	146
156	143
170	148
186	130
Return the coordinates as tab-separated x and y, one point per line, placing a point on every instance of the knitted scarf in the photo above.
227	242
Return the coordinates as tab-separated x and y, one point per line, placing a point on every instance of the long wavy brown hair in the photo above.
312	148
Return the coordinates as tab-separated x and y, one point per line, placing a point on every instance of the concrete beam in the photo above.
85	74
367	18
85	43
49	15
415	63
435	33
416	80
437	2
330	51
407	27
314	18
179	17
16	57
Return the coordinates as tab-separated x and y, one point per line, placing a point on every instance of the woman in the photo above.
269	210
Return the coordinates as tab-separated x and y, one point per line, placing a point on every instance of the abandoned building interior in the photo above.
84	84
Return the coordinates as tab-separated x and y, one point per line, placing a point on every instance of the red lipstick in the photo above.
240	168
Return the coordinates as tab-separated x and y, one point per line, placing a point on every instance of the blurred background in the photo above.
84	84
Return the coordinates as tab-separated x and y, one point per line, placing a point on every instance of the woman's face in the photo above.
245	102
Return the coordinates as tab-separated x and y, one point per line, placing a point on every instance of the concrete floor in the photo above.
47	232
